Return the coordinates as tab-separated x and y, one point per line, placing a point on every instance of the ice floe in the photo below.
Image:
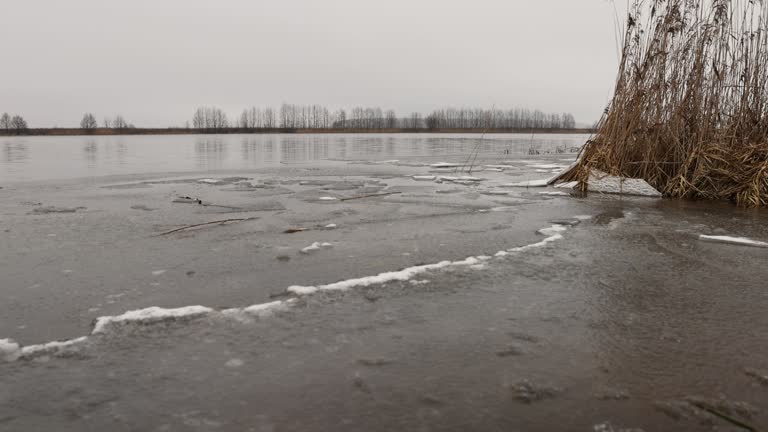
316	246
554	193
446	165
567	185
741	241
328	198
608	184
424	178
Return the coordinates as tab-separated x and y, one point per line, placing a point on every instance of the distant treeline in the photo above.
235	130
371	118
307	118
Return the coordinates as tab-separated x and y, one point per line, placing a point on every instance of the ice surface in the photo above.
549	166
554	193
152	314
742	241
424	178
446	165
12	351
529	183
409	273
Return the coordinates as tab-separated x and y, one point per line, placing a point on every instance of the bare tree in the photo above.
107	123
120	122
391	119
210	118
88	122
18	124
5	122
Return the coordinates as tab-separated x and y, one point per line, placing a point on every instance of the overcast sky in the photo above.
154	61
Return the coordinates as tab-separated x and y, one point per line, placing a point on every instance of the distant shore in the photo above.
185	131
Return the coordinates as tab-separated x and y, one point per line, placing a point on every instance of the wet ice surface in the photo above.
595	313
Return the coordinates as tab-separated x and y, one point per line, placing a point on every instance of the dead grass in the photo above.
690	103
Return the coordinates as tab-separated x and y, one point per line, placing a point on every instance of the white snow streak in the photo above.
153	314
553	233
741	241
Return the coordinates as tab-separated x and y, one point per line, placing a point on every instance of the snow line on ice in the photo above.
11	351
742	241
553	233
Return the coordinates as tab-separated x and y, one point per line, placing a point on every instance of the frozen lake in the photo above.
350	292
50	158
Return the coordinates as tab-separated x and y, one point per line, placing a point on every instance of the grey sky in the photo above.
154	61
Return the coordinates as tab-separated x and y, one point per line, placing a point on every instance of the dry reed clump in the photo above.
690	109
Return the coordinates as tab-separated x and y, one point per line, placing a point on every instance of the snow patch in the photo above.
50	348
328	198
9	350
208	181
234	363
264	310
741	241
316	246
331	226
149	315
419	282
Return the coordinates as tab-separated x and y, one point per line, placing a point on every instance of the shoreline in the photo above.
233	131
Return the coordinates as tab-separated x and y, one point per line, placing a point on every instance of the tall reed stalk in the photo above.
690	109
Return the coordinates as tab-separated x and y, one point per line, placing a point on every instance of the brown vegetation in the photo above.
690	109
